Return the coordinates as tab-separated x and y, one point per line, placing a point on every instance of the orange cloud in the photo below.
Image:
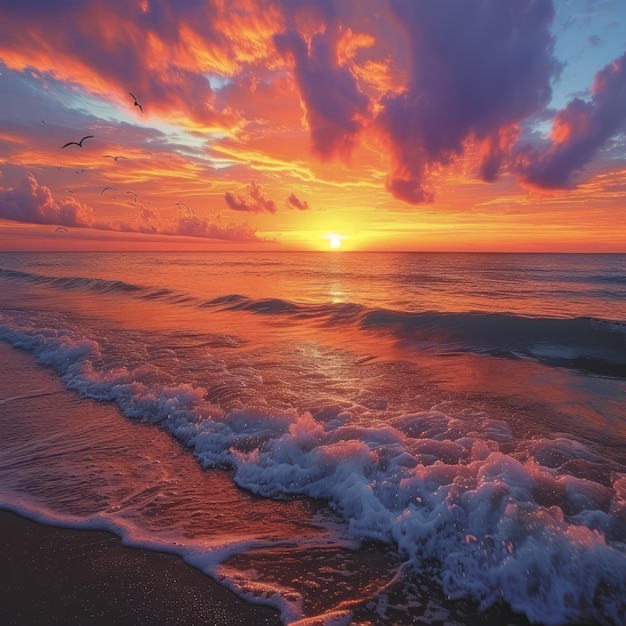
165	53
579	131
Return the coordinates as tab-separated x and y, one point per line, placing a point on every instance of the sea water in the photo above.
350	437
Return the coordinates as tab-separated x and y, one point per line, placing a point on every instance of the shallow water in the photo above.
364	436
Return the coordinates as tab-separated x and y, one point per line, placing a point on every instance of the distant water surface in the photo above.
357	436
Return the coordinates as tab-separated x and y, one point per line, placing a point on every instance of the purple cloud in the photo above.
477	69
33	203
335	107
254	200
579	131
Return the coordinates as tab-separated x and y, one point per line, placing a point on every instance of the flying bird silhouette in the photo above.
136	103
105	188
77	143
115	158
62	228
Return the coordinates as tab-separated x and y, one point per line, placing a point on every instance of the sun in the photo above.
334	241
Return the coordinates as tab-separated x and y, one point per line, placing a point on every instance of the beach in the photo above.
54	575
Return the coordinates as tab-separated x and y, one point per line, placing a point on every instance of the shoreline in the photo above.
52	575
57	575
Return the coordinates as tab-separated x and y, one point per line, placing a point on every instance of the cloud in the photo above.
230	87
33	203
293	202
579	131
477	70
164	52
254	200
336	109
149	220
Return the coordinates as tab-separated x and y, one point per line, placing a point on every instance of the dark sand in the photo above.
54	575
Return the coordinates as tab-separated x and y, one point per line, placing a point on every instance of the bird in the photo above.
136	103
62	228
115	158
105	188
77	143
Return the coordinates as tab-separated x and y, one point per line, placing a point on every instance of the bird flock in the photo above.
185	212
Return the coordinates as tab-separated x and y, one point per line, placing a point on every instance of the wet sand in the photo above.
54	575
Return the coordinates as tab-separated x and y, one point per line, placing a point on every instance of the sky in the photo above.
426	125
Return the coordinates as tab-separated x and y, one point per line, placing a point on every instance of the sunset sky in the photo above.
496	125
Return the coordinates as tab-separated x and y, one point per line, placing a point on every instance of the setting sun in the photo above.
334	242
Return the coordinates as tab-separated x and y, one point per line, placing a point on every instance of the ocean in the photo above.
353	438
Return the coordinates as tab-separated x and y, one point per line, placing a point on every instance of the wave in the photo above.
539	523
589	344
610	280
98	285
583	343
